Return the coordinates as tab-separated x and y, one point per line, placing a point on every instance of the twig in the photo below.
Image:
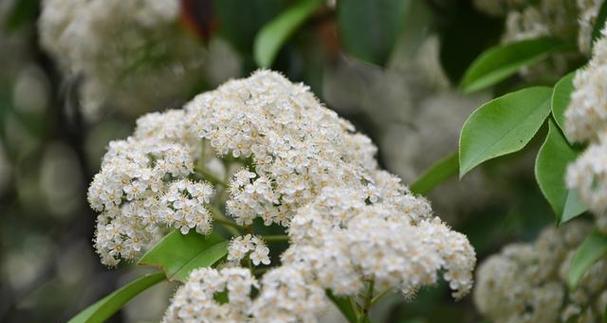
276	238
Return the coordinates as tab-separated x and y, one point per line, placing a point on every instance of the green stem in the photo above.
380	296
259	271
230	225
355	307
276	238
364	317
209	177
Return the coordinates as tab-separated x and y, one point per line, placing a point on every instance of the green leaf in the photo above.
369	28
500	62
22	13
344	305
573	206
272	36
240	21
589	252
177	254
501	126
561	97
436	174
459	20
550	168
109	305
599	23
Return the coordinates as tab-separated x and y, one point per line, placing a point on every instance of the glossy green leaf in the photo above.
240	21
273	35
599	22
503	125
109	305
177	254
344	305
23	12
561	95
550	169
498	63
589	252
436	174
369	28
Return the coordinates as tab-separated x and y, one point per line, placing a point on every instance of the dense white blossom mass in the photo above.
526	281
586	121
290	161
130	54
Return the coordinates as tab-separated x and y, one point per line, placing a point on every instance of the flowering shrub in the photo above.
262	205
283	158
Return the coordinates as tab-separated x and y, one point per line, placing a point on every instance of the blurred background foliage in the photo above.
389	66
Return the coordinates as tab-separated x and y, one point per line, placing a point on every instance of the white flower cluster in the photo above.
197	301
305	169
250	245
144	186
297	146
586	121
588	13
526	282
129	54
405	251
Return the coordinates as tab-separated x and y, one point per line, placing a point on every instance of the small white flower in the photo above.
249	245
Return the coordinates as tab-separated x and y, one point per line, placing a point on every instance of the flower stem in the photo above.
276	238
380	296
368	301
209	177
230	225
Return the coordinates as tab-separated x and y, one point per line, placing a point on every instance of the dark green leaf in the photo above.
344	305
503	125
498	63
589	252
561	97
455	23
550	168
599	23
177	254
436	174
369	28
22	12
240	21
272	36
109	305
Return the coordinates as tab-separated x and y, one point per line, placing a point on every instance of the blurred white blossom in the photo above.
128	54
417	118
568	20
586	121
526	281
